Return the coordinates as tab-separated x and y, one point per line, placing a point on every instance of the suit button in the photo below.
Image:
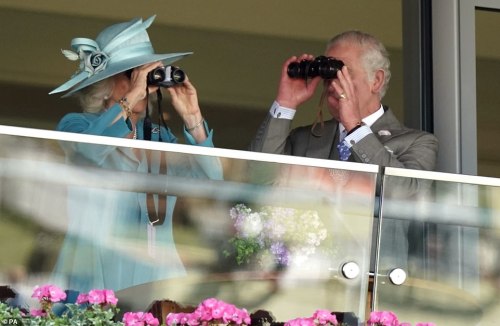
363	156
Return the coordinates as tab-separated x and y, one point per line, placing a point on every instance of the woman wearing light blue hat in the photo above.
118	239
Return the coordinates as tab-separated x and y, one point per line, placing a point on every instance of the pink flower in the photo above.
193	320
228	313
324	317
209	303
139	319
211	310
203	314
48	293
173	318
82	298
102	297
182	318
383	318
300	322
185	319
239	316
217	312
38	312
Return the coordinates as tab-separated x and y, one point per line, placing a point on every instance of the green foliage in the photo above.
9	313
244	248
75	315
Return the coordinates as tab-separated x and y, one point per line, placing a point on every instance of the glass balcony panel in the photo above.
451	249
279	233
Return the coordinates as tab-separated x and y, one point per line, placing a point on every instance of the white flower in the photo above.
252	225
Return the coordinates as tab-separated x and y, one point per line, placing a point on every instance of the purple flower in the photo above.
280	253
297	230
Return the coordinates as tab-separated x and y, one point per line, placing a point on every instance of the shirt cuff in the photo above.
357	135
191	141
280	112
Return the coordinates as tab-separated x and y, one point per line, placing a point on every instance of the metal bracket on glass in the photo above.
350	270
397	276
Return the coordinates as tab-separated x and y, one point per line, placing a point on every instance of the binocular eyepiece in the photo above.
167	76
322	66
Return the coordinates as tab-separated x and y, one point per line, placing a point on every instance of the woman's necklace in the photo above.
135	133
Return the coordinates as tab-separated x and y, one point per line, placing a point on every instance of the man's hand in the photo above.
292	92
349	110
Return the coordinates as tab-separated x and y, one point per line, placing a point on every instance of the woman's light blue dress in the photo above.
107	243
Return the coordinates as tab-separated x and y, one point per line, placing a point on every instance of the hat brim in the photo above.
124	65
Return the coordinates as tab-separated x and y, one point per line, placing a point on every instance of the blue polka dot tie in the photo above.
344	151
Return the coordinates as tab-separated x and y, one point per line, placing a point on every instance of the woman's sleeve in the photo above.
108	124
105	124
200	166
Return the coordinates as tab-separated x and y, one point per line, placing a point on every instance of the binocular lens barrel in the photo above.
324	67
167	76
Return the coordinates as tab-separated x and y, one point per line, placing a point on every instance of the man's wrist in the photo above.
280	112
356	127
357	135
286	103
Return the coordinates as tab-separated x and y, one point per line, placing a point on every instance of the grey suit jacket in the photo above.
391	144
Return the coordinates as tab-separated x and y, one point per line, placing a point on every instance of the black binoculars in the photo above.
322	66
166	76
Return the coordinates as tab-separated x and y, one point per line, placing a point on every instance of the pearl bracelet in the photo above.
125	106
196	125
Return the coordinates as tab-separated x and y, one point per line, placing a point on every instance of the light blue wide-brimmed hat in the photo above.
116	49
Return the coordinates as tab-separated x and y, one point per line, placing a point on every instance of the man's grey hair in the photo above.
375	56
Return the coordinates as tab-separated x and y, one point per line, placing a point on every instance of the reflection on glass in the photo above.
116	237
452	267
267	235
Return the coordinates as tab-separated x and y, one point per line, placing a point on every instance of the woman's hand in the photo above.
138	83
185	101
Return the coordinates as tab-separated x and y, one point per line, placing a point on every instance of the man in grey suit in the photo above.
354	99
374	135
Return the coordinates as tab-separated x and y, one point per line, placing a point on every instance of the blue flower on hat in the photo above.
96	61
91	61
